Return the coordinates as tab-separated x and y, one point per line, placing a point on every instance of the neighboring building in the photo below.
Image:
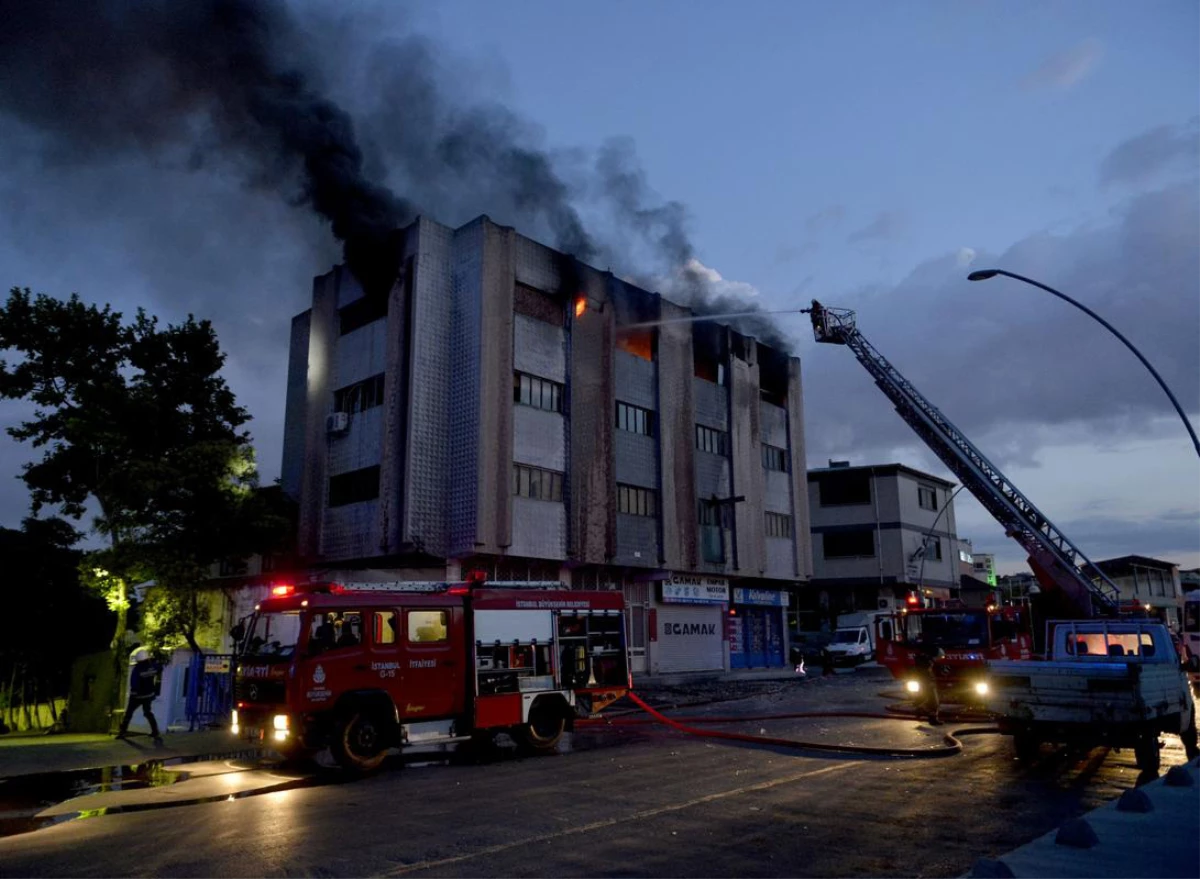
472	418
983	566
879	532
1189	579
966	558
1016	587
1151	581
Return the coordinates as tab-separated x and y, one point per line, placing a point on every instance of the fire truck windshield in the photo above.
948	629
273	635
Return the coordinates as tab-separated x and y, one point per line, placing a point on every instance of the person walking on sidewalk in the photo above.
145	683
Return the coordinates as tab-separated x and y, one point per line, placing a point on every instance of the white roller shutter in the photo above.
689	639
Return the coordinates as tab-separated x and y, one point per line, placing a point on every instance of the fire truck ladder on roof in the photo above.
1056	560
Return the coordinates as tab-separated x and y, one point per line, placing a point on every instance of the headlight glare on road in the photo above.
280	722
981	688
913	686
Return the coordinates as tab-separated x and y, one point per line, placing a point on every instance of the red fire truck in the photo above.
365	668
968	638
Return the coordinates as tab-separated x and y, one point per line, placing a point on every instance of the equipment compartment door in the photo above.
433	662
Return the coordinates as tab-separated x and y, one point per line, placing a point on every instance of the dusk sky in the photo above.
867	154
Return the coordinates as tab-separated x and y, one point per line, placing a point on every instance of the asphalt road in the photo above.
620	802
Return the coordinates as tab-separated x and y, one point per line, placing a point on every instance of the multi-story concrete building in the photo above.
879	532
506	409
984	564
1152	582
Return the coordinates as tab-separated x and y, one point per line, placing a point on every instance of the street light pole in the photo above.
986	274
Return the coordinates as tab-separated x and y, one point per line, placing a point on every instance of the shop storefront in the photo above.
754	628
686	633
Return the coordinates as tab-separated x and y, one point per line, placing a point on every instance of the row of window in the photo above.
851	489
860	543
541	393
345	629
635	419
536	483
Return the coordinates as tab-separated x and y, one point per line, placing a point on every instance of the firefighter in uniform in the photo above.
145	684
928	703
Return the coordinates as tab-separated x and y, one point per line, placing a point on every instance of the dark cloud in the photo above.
1141	158
1067	68
886	226
1004	360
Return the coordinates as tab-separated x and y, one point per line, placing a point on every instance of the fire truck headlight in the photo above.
912	686
233	722
981	688
281	735
280	722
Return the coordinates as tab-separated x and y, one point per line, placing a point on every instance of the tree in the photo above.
49	618
137	419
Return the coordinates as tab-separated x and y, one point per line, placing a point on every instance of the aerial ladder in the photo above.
1060	567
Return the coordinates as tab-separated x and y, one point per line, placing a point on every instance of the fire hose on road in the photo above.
950	747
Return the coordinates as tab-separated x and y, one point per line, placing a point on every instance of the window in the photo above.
966	557
536	483
709	439
712	531
328	631
361	312
779	525
354	487
385	627
636	501
427	626
933	549
635	419
540	393
844	489
926	497
775	459
849	544
360	396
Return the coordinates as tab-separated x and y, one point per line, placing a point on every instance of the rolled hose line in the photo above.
950	747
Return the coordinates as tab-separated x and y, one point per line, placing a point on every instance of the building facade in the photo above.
504	408
1148	581
878	533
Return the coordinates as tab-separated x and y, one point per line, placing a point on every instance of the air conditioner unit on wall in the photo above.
338	422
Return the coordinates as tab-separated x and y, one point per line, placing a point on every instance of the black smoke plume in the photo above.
243	85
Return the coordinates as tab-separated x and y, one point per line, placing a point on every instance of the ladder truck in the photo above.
1067	591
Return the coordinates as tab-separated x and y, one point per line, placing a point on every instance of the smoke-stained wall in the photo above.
677	418
294	419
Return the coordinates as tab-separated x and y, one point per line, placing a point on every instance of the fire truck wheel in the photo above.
545	728
358	741
1146	753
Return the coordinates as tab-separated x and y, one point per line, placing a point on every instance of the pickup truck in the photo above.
1104	682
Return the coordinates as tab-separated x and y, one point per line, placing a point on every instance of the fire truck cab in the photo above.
967	637
367	668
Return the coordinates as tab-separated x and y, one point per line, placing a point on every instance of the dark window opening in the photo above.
774	458
772	376
708	355
849	544
354	487
844	489
926	498
709	439
360	396
540	393
712	531
933	549
361	312
779	525
536	483
637	501
635	419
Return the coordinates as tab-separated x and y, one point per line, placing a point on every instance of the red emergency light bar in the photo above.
281	590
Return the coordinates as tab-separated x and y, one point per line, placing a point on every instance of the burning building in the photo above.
502	407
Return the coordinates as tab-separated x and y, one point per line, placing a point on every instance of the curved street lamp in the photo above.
985	274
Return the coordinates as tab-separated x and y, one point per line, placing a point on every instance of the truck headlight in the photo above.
981	688
912	686
280	722
281	735
233	722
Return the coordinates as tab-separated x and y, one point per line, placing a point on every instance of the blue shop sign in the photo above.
759	596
